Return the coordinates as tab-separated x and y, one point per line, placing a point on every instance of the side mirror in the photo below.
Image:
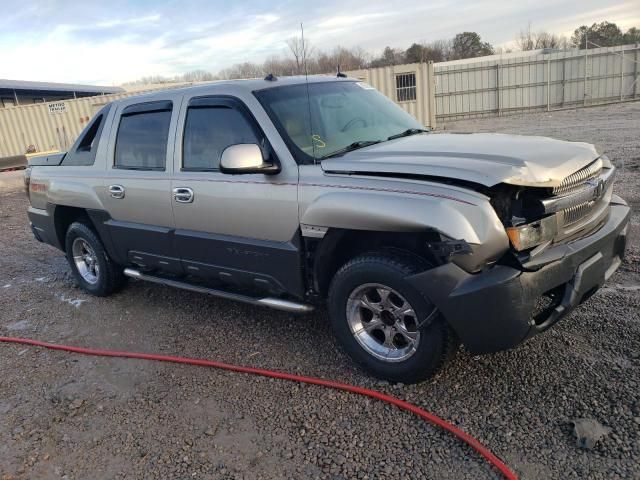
245	158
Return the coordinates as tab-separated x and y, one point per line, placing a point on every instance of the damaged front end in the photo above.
565	242
536	218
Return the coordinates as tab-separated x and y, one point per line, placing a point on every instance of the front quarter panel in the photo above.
399	205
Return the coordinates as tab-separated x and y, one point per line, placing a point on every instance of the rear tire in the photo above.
383	323
93	270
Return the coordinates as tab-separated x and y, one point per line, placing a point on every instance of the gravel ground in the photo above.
76	417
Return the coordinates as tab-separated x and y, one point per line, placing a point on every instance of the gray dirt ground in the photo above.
76	417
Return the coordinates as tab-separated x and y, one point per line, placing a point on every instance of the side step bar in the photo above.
271	302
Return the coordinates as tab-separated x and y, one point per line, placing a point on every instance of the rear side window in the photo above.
208	131
141	143
87	141
83	151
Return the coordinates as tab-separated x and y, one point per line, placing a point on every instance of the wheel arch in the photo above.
338	246
64	216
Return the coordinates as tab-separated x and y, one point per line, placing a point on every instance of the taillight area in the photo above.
27	180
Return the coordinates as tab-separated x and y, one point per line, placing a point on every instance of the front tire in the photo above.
383	323
93	270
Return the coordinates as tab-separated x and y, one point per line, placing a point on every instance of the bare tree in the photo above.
198	76
301	51
350	58
280	66
525	40
549	40
443	47
339	59
242	70
528	40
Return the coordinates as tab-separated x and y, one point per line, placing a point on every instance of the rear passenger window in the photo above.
141	143
83	151
208	131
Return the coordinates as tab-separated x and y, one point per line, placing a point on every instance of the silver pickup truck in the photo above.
290	194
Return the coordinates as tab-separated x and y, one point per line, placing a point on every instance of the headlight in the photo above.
532	234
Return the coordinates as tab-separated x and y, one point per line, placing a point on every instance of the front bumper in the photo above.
493	310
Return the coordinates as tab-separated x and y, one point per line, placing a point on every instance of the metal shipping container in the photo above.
51	126
411	86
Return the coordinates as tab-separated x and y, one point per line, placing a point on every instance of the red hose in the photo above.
429	417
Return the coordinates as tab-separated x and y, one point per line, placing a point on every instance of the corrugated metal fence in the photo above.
540	82
49	126
410	85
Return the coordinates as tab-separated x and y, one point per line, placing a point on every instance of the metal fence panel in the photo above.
536	82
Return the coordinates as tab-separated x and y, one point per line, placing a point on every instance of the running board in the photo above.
271	302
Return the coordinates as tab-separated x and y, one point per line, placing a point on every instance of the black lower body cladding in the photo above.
43	226
493	310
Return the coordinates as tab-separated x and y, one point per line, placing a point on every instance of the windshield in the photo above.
334	118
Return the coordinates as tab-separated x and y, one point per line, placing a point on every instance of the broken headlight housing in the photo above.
529	235
519	211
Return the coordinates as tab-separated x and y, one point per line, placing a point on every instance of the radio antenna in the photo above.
306	78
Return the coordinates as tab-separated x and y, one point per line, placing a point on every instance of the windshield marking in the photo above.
333	117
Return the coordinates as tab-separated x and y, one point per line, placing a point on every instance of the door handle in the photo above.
183	194
116	191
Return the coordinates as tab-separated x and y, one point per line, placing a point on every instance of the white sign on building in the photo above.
57	107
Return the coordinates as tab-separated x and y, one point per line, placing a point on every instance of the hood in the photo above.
483	158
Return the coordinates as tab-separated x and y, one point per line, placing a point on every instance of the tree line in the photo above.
302	57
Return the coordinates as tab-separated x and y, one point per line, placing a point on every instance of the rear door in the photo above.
137	193
241	229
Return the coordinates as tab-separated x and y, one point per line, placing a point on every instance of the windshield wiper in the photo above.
406	133
351	147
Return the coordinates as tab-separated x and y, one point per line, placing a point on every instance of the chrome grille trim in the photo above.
591	189
576	180
577	212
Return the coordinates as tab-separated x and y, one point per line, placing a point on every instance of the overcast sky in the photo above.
114	41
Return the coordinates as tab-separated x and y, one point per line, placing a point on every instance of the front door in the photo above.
137	193
238	229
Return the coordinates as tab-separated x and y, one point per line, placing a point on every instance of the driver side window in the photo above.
208	131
